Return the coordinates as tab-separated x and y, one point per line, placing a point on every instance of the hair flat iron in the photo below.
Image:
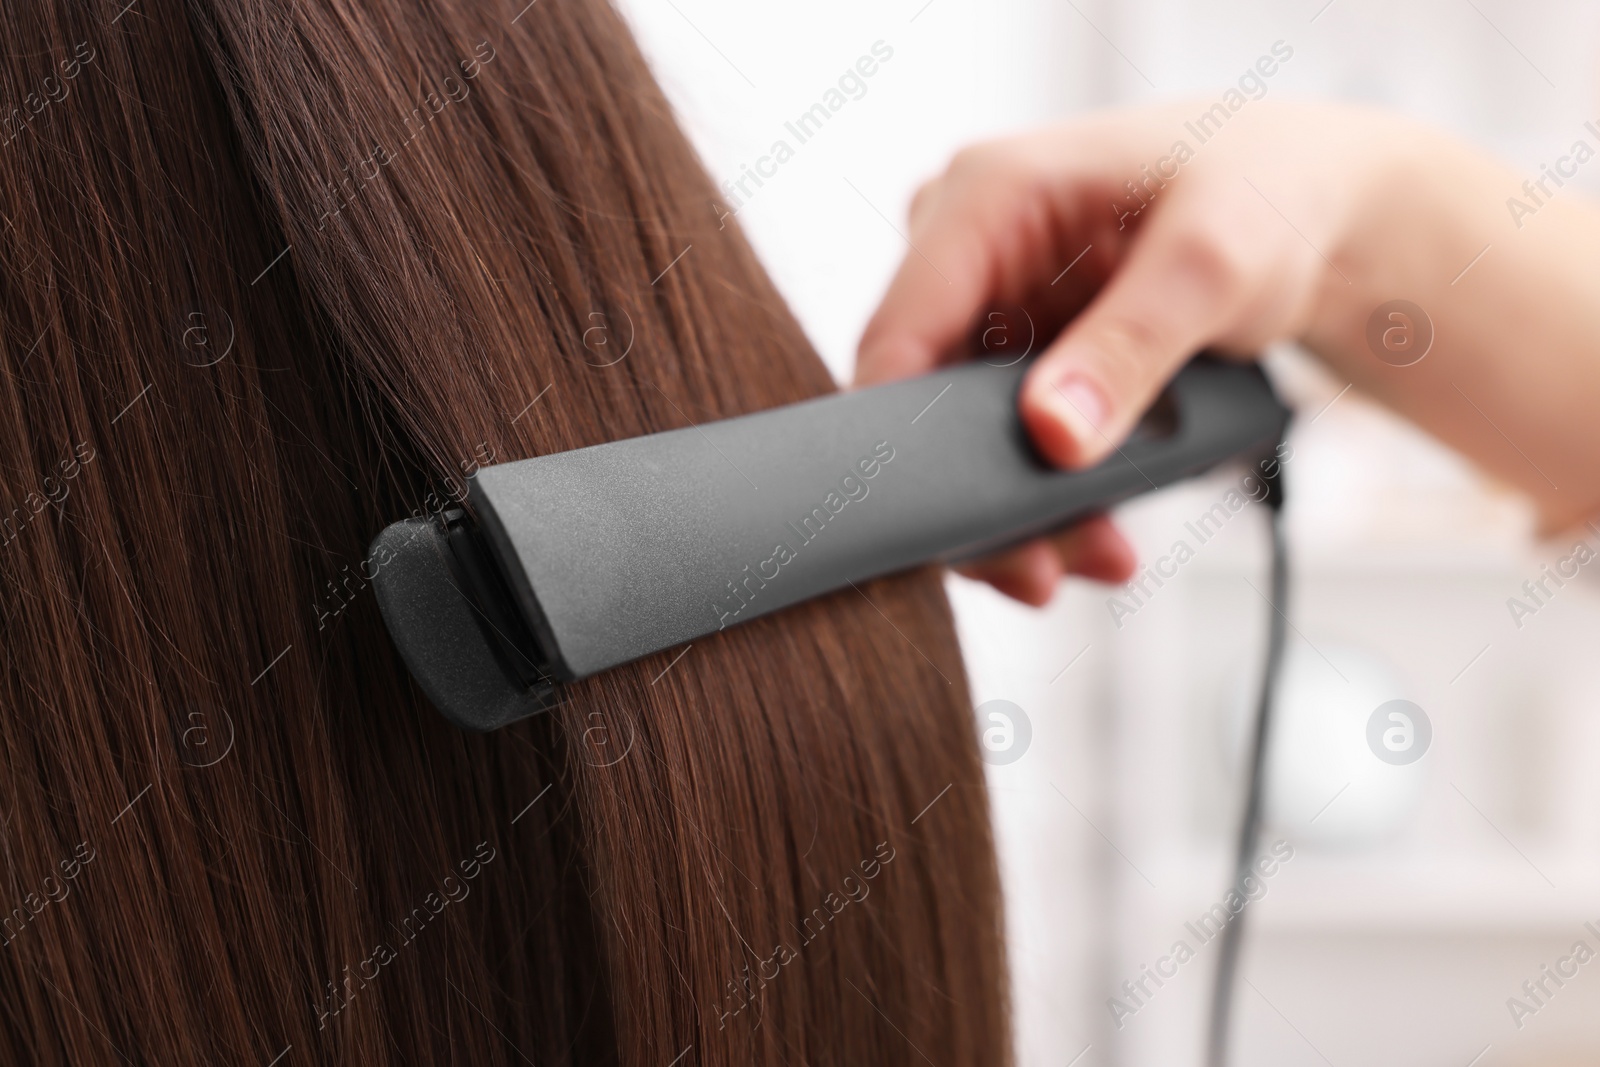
580	561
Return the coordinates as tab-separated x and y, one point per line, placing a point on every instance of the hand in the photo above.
1139	243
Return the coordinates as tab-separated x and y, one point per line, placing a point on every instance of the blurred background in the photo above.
1419	897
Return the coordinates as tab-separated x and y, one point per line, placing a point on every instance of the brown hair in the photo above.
275	275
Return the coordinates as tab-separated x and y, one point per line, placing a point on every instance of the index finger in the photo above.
993	228
936	295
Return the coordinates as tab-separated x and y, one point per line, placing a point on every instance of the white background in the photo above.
1421	897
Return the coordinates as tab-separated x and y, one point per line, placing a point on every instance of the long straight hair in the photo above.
276	274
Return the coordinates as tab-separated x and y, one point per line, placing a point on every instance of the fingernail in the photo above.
1083	408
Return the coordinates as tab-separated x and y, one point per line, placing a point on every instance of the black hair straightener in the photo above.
584	560
580	561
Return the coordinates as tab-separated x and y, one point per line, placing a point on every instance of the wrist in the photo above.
1388	237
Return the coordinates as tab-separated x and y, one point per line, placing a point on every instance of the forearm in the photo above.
1513	376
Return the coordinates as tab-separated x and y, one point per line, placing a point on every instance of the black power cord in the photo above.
1250	822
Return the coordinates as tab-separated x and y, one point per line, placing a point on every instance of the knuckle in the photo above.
986	160
1209	263
922	199
1129	345
986	174
972	159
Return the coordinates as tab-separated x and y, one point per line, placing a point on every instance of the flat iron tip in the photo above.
469	655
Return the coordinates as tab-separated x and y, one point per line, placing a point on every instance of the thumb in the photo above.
1180	285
